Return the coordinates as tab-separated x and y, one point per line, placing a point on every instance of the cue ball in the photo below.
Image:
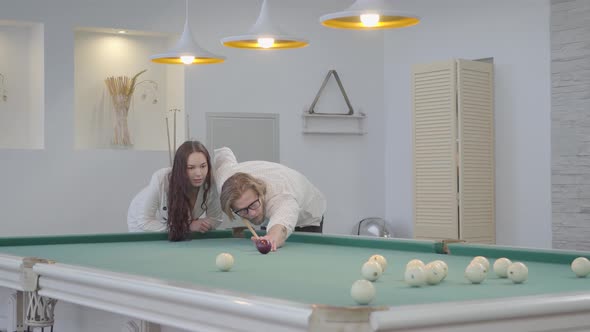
415	262
224	261
581	267
362	291
435	273
518	272
444	266
381	260
501	267
415	276
475	272
483	261
371	270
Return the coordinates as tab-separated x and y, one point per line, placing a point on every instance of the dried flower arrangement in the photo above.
121	89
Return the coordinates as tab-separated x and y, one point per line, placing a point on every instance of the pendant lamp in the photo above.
187	51
264	36
369	15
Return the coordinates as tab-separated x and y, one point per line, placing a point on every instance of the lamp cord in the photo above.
358	231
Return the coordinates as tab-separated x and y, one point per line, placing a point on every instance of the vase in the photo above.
121	135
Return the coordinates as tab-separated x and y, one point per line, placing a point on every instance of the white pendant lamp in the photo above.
264	36
187	51
369	15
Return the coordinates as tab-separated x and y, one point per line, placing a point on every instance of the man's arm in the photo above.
277	235
283	212
224	162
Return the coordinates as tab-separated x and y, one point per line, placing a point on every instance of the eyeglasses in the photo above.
244	212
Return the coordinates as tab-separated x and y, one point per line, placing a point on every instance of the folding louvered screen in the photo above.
435	170
453	151
475	101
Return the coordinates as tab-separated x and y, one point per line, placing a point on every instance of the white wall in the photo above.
348	168
59	189
63	190
516	35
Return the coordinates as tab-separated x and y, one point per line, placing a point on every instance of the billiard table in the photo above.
303	286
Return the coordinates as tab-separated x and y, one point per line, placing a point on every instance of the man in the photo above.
267	192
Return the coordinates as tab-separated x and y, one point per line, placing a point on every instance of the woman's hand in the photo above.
201	225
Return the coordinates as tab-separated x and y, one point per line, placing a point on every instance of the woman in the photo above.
177	197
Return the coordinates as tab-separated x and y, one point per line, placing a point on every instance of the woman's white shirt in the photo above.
148	211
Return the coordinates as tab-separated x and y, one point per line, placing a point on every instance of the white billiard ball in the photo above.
224	261
501	267
415	276
371	270
581	266
483	261
435	273
518	272
475	272
415	262
381	260
362	291
444	265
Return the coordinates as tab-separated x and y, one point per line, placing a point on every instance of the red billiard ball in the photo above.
263	246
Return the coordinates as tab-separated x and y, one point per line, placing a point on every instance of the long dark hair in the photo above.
179	208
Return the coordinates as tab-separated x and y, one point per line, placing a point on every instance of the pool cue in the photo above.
188	130
174	131
247	223
168	135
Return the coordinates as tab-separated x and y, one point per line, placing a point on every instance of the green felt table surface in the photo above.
311	269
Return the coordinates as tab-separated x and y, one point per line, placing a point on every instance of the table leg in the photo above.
141	326
15	312
37	310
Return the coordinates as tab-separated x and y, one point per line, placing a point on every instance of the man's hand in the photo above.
200	225
276	235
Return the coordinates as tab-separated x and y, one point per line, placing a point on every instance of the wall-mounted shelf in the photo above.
333	123
354	124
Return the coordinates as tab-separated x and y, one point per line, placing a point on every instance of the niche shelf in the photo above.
157	101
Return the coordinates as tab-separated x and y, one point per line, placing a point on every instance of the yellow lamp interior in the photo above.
253	44
385	22
196	61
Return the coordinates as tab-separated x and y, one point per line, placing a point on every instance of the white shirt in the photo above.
148	211
291	200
